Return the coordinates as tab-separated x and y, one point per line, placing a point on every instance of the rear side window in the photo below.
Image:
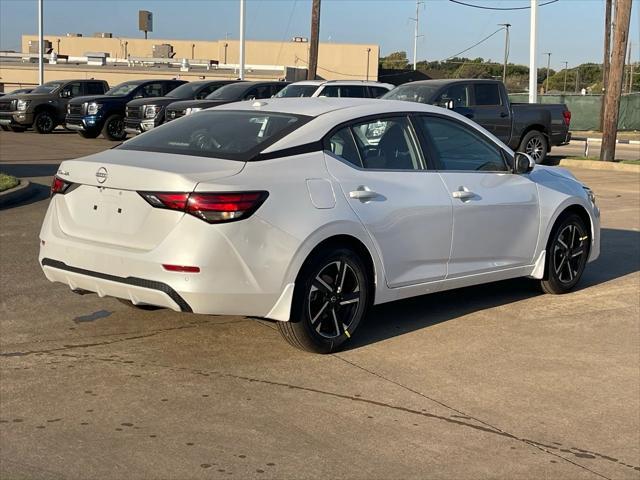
377	92
227	134
458	148
353	91
487	94
459	94
342	145
94	88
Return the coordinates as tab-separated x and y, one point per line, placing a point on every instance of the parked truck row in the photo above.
91	108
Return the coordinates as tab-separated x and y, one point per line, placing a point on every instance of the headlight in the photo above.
93	107
191	110
591	195
22	104
150	111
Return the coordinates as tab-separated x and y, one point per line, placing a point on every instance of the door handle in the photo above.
363	193
463	194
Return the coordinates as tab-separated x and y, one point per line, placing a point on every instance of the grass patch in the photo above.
7	182
597	159
631	162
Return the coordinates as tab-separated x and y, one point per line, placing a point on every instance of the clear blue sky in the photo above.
571	29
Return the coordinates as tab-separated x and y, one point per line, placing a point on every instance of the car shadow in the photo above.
29	170
620	256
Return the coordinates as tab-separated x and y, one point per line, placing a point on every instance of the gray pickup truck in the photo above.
529	128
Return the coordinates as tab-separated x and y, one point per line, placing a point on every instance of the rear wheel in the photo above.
566	255
44	122
331	298
114	128
535	144
89	133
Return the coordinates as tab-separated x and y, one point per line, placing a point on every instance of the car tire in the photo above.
44	122
15	129
89	133
534	143
114	128
4	128
567	253
331	297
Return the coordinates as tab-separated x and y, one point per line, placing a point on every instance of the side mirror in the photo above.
65	94
523	163
449	105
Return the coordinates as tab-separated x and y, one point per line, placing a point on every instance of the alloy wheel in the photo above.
569	252
45	123
333	299
535	148
116	128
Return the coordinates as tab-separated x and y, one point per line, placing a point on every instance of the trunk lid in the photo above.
104	205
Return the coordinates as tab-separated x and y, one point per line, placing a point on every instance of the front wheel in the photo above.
567	253
114	128
331	298
534	144
44	122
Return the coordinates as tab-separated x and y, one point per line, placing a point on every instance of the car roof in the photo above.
449	81
343	82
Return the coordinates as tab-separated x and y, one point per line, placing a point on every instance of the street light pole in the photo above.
566	67
533	60
416	36
506	50
40	43
548	54
241	66
368	54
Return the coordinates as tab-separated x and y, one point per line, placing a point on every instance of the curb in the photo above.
16	194
598	165
599	140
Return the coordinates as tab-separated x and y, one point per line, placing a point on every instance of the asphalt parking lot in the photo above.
496	381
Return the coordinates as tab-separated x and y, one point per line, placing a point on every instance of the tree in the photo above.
395	60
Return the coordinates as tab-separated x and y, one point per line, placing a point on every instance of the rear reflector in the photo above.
59	186
216	207
180	268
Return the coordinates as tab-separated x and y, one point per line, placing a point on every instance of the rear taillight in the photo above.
211	207
567	117
59	186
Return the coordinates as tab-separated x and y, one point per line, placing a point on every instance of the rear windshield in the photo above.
297	91
227	134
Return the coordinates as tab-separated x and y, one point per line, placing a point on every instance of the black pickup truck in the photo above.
529	128
91	115
235	92
143	114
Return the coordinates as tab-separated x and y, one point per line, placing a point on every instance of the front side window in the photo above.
487	94
72	90
330	91
386	144
122	89
152	90
459	148
233	135
95	88
459	94
342	145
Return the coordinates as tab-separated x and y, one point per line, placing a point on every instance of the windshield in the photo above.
413	93
185	92
122	89
297	91
227	134
48	87
228	92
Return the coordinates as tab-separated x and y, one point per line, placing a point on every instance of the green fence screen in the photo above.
585	109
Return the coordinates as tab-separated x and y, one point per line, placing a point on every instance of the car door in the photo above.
495	212
490	110
69	91
404	207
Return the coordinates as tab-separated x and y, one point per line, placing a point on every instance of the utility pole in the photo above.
368	55
614	88
607	54
315	38
506	50
40	42
415	35
566	67
242	15
548	54
533	60
630	68
577	77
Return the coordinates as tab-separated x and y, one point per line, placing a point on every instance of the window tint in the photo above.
228	134
152	90
207	90
353	91
341	144
377	92
458	148
94	88
330	91
261	91
294	90
458	93
487	94
386	144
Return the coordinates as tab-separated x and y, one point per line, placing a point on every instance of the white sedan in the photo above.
309	211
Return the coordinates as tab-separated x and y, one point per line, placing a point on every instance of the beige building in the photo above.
264	59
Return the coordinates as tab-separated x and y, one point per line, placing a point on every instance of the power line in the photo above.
499	8
475	44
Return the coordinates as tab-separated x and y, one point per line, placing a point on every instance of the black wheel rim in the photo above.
535	148
45	123
569	253
334	299
116	128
